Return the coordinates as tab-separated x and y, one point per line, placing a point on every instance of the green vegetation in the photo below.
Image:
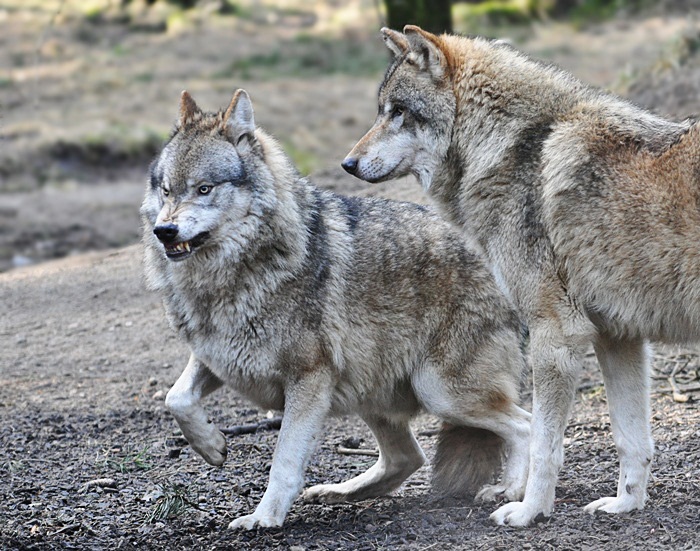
487	14
131	461
310	56
475	18
305	162
172	503
118	144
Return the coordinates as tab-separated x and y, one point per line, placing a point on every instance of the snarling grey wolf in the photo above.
320	304
586	208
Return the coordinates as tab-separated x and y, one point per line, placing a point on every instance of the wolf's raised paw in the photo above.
213	450
248	522
516	514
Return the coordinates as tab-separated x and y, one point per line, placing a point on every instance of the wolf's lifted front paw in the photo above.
516	514
211	448
248	522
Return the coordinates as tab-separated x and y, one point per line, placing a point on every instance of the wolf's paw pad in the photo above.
323	493
614	505
497	492
248	522
516	514
213	450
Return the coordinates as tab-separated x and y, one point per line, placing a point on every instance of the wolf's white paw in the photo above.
622	504
516	514
211	447
324	493
493	492
248	522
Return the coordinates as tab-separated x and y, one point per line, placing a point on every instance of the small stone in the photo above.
159	395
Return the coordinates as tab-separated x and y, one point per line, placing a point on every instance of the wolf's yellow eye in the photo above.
204	189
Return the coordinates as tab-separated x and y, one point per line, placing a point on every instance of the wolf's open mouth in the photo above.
183	249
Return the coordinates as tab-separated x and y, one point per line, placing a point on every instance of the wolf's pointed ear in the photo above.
189	111
238	118
425	51
395	41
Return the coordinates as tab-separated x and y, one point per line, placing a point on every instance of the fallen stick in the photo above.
678	395
356	451
688	388
268	424
100	483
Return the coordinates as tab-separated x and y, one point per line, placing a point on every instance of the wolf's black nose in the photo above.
166	232
350	165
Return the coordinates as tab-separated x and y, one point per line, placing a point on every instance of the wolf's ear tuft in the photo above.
395	41
189	111
425	51
238	118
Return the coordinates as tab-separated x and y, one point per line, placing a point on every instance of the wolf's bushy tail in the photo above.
465	460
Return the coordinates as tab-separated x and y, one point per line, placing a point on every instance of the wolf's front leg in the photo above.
307	403
195	383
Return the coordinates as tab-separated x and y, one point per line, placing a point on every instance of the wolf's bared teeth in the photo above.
180	247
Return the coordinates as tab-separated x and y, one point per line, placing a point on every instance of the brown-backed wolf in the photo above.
586	207
320	304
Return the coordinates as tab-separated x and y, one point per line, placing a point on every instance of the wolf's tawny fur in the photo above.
586	207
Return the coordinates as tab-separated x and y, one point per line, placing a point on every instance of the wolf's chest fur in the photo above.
227	330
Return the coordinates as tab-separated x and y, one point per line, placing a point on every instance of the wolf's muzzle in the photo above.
166	233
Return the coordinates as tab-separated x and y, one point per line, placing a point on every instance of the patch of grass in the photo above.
119	144
138	461
144	77
305	162
171	504
493	13
309	56
596	392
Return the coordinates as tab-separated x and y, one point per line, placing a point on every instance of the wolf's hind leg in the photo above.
399	457
513	426
183	399
625	367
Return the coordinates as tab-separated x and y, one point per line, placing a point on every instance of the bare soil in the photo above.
89	458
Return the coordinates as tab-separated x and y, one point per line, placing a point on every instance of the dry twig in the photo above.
357	451
268	424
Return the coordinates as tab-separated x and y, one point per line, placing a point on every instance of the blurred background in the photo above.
89	89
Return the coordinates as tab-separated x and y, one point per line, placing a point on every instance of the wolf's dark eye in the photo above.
166	192
396	111
204	189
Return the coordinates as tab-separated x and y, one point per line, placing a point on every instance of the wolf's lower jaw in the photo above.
183	249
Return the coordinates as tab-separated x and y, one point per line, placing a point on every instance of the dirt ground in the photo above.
89	458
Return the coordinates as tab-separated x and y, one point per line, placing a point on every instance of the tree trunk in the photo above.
434	16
